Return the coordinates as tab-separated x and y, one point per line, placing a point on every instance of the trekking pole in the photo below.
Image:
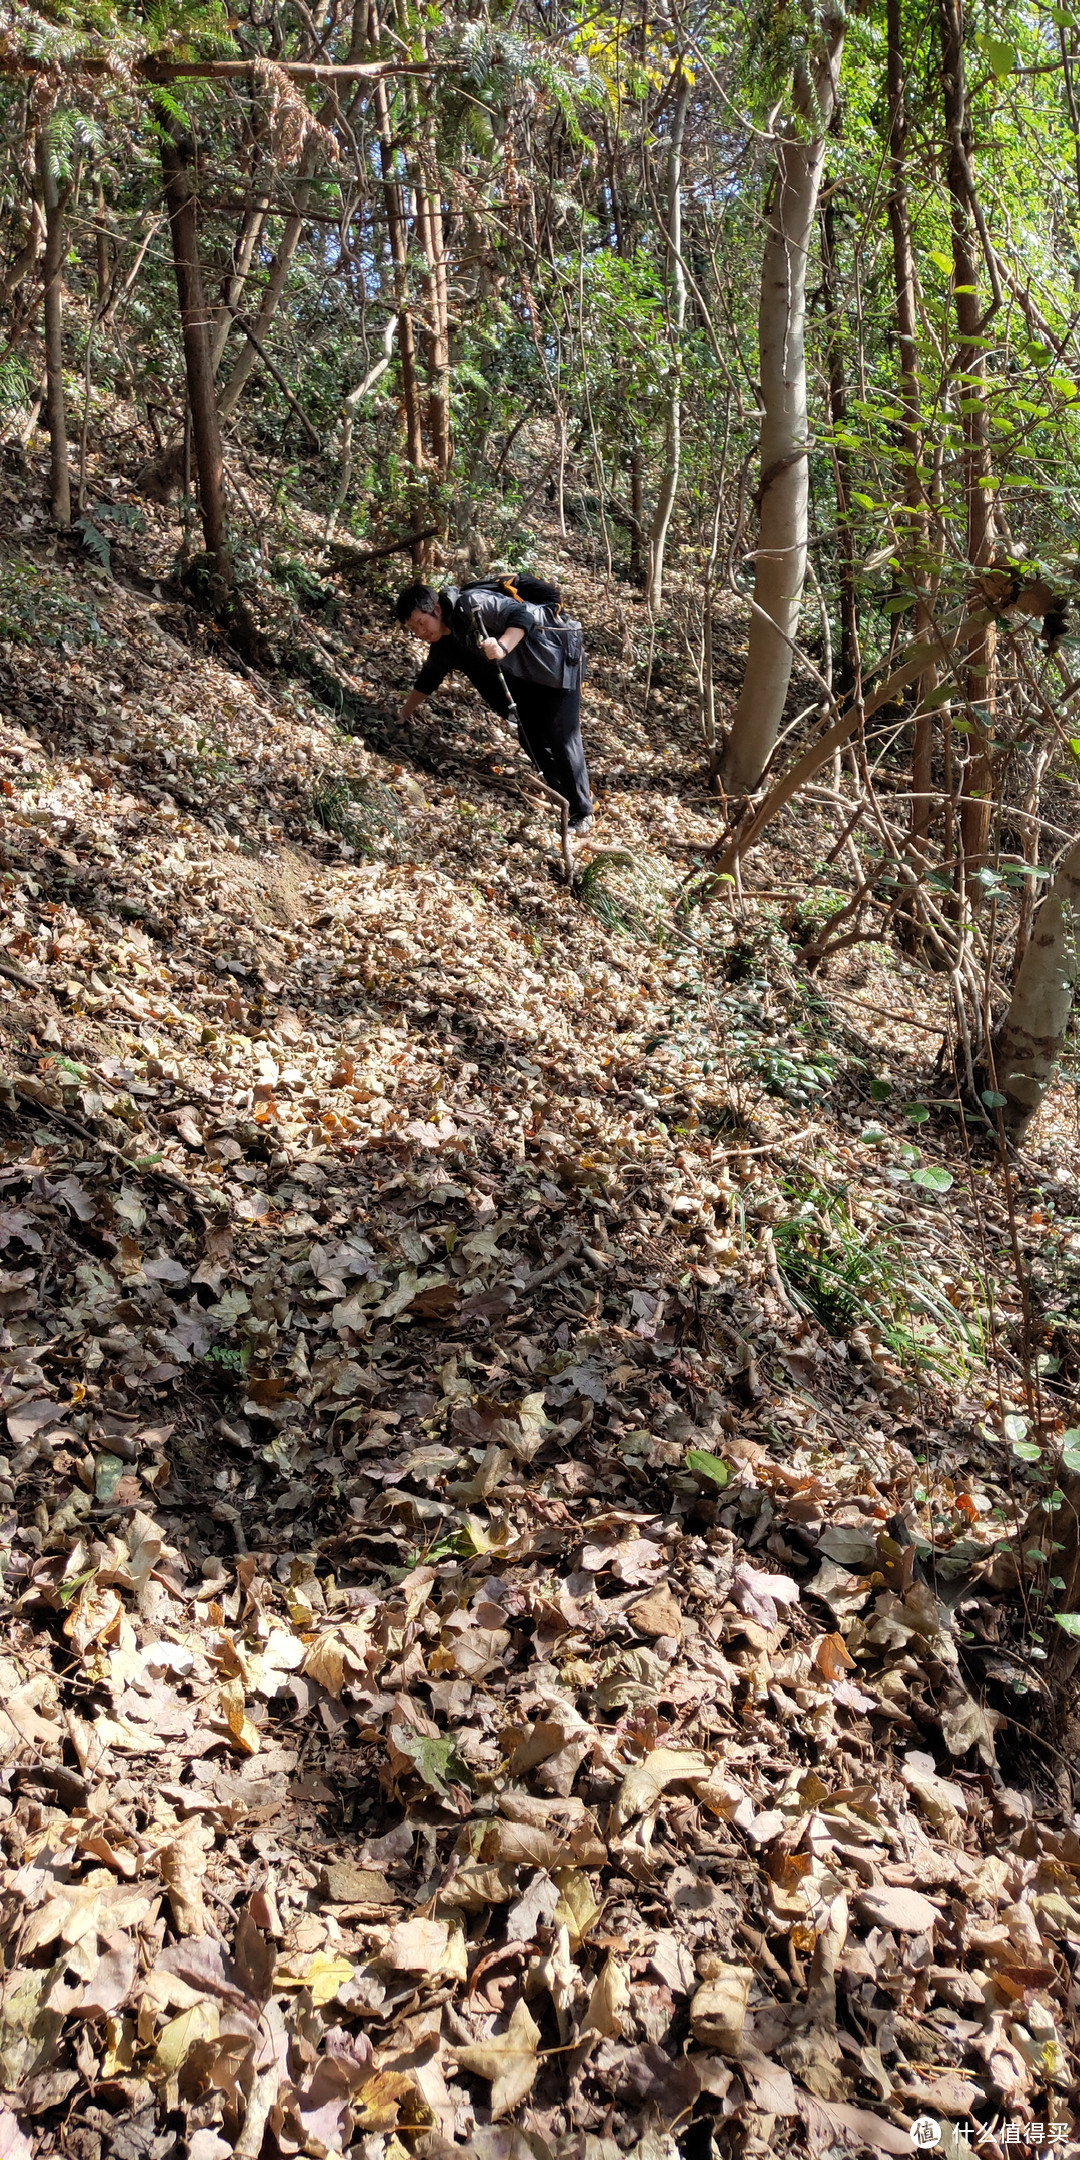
552	794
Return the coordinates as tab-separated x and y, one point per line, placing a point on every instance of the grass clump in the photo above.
844	1278
359	812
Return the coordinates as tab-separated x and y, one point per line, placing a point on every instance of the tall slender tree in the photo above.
783	487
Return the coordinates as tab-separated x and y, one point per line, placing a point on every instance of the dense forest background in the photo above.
788	300
541	1503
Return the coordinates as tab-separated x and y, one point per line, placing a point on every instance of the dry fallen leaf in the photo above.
656	1613
906	1910
759	1595
609	2003
718	2009
182	1867
509	2061
644	1783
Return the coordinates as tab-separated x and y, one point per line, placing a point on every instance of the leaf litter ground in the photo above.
512	1643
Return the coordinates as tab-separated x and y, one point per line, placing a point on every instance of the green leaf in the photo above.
880	1090
992	1099
1016	1426
1028	1450
436	1761
1070	1450
707	1466
1001	56
932	1179
916	1113
874	1137
1069	1621
943	262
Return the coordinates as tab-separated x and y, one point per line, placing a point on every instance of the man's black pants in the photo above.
549	730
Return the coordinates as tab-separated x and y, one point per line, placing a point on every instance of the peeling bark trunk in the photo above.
53	269
780	566
1032	1035
676	323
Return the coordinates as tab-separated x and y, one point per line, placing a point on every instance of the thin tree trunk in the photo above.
28	254
399	255
428	226
637	511
1040	759
101	251
428	222
289	241
349	409
676	279
247	240
977	774
780	566
275	284
847	672
53	269
1033	1032
177	155
916	522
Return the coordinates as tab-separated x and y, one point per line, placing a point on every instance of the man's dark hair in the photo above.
416	599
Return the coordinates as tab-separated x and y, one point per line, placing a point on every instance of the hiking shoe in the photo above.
580	825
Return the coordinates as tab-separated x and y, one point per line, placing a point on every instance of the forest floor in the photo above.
516	1440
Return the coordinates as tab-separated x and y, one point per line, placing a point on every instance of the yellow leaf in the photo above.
644	1783
324	1976
325	1664
375	2106
182	2033
119	2052
577	1909
243	1733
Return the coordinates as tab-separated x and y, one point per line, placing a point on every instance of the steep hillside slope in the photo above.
517	1441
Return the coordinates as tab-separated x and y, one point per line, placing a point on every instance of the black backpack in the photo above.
552	651
518	585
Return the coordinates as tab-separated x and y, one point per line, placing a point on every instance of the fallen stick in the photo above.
340	550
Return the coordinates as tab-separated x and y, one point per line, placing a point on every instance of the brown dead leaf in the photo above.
609	2004
656	1614
832	1657
643	1785
718	2009
509	2061
906	1910
759	1595
182	1867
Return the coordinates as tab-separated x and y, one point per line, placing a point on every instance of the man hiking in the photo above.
485	630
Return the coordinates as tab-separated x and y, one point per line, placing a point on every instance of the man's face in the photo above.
428	627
